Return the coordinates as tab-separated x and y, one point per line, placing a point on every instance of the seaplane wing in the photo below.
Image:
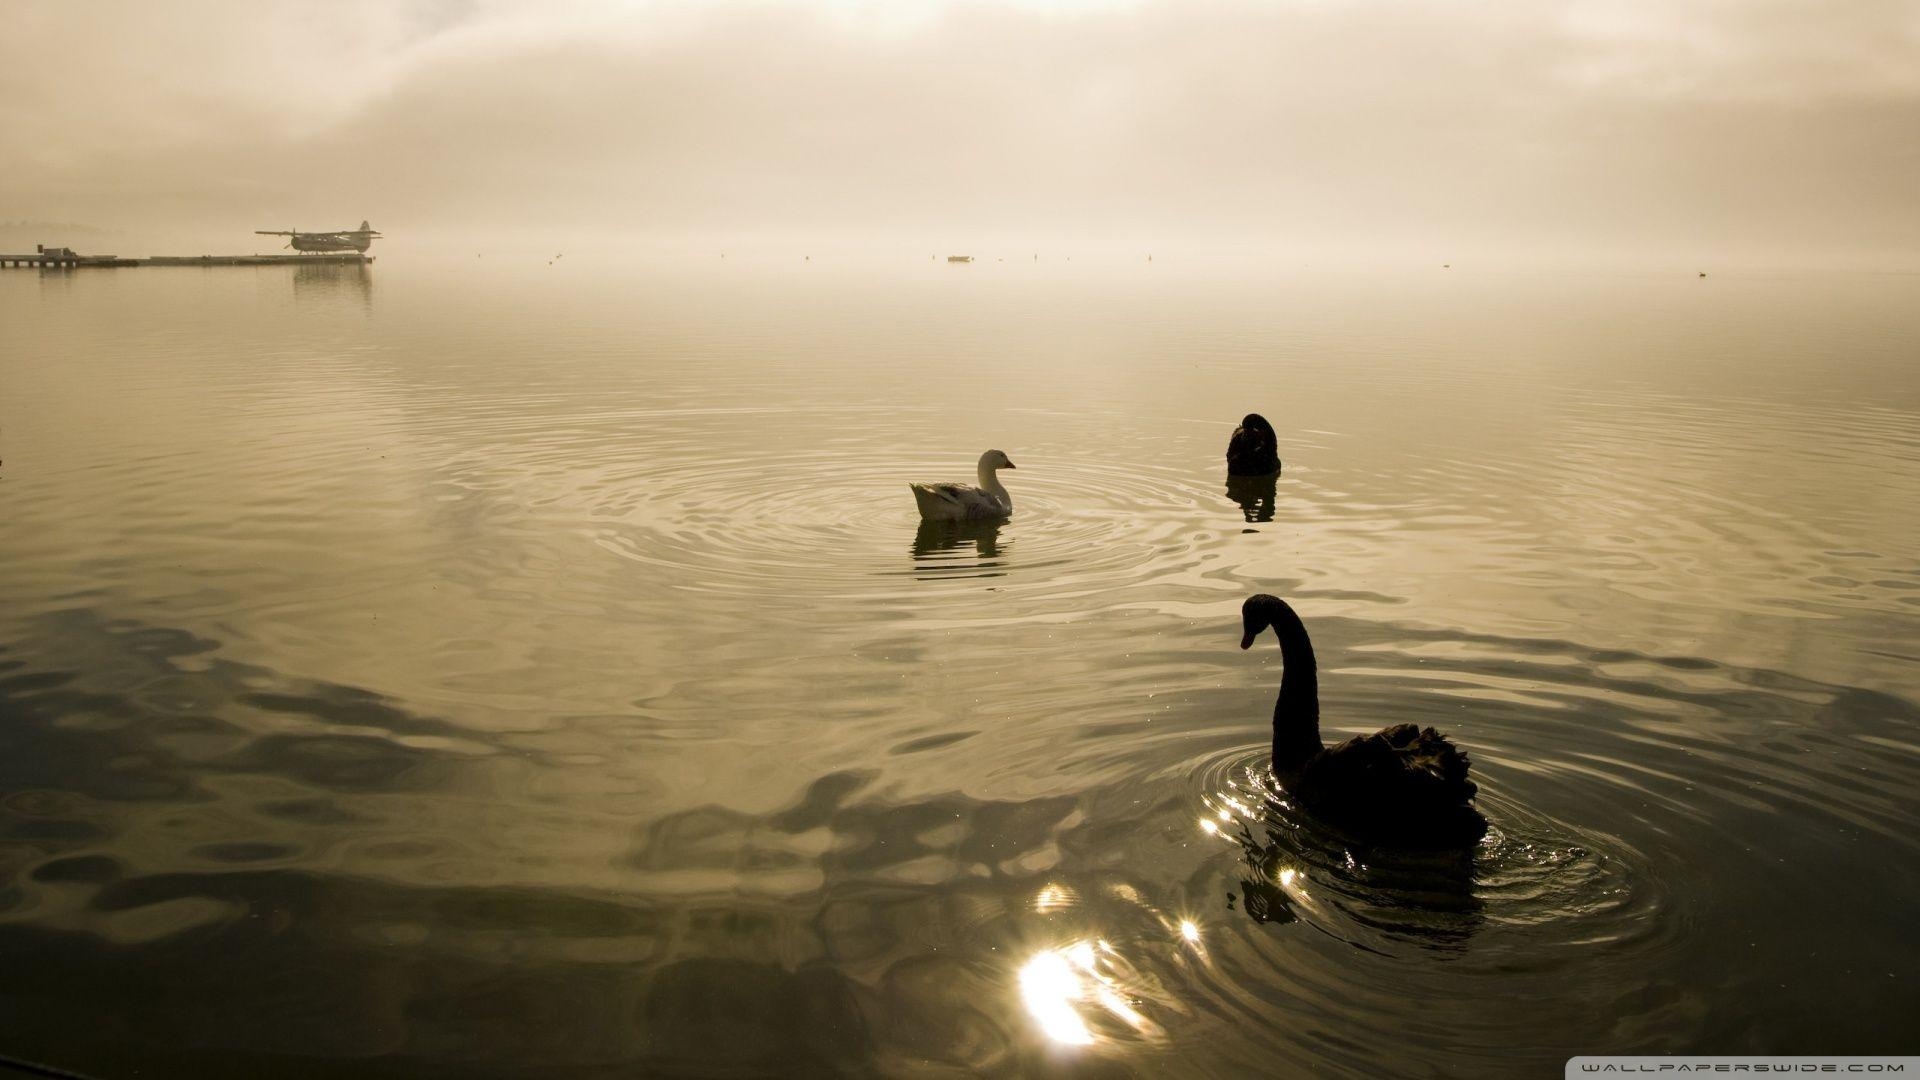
339	240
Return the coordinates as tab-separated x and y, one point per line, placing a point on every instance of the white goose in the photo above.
964	502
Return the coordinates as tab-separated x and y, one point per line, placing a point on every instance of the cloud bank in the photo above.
1757	126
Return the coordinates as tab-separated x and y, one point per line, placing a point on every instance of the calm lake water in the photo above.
481	667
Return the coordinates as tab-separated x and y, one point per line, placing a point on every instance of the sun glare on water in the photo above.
1050	986
1056	983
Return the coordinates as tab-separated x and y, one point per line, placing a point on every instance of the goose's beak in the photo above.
1010	463
1246	639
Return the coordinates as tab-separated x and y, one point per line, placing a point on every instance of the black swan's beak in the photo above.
1246	639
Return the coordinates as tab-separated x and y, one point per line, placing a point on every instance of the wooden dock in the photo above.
62	259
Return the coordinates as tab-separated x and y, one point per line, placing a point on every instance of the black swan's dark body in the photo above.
1254	450
1405	785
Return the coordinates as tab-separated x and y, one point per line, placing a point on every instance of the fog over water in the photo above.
1702	130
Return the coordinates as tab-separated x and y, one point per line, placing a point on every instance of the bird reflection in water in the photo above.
966	548
1298	870
1369	898
1267	894
1255	494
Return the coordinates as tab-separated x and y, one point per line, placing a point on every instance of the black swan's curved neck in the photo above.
1296	716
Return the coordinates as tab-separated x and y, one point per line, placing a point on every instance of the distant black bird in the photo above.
1253	450
1403	786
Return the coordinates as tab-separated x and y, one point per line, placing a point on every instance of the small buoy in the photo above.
1703	273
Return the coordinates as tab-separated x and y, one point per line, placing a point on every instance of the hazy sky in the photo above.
1724	126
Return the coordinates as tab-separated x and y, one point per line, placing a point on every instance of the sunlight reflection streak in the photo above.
1055	980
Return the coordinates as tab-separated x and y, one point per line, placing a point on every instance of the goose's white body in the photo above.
965	502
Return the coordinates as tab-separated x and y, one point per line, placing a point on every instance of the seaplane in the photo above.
344	240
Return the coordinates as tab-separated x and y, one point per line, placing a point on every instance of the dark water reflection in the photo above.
325	282
1255	494
1296	871
499	682
965	547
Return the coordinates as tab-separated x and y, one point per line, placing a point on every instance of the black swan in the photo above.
1254	449
1403	786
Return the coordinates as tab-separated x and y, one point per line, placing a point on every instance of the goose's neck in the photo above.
1296	716
990	480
